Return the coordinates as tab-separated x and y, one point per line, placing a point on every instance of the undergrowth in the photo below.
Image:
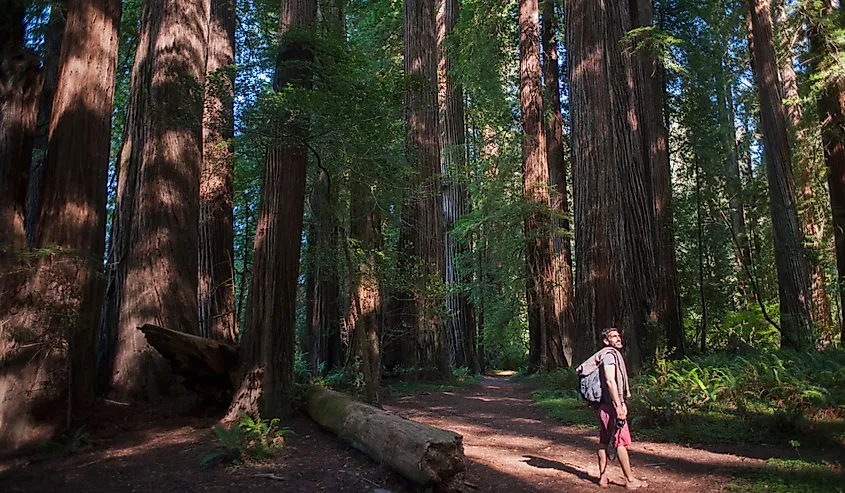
246	441
769	397
408	381
789	476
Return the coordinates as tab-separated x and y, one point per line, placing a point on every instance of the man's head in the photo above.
611	337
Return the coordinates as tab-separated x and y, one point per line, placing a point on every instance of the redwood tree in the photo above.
61	298
216	287
155	238
791	262
614	258
831	106
564	292
460	317
655	148
269	341
22	362
423	230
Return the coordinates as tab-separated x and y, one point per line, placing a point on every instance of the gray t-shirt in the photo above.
609	359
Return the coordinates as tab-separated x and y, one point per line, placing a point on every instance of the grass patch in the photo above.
409	382
790	476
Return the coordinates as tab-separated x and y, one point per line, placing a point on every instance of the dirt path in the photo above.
511	446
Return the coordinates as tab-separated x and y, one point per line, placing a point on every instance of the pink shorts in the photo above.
607	424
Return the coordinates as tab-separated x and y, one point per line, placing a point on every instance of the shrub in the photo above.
247	440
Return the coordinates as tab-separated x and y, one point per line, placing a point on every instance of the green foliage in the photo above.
246	441
771	397
790	476
403	381
70	443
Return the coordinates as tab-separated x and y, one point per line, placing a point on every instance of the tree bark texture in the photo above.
216	284
426	455
20	85
269	340
50	363
425	223
365	299
734	185
831	107
614	258
322	311
53	48
155	237
460	318
546	344
655	147
564	290
811	222
792	265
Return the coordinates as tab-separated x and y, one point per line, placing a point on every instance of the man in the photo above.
614	435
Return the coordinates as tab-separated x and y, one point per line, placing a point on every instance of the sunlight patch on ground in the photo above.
504	373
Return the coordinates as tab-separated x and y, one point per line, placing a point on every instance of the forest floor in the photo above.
510	443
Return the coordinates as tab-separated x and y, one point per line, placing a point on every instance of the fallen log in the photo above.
424	454
207	366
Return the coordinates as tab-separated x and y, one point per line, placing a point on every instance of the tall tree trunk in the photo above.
564	292
61	298
23	365
810	221
216	284
322	313
53	48
460	320
792	266
365	298
157	212
831	106
426	218
546	344
269	340
614	259
655	147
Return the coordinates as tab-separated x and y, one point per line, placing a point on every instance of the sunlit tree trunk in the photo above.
655	147
61	298
365	299
792	265
216	284
546	344
269	340
614	258
460	320
811	223
155	232
426	217
564	292
831	106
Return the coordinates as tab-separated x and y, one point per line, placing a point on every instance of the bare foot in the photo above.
603	481
637	483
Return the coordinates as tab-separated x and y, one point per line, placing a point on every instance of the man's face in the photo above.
613	339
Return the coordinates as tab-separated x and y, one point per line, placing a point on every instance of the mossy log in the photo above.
207	366
424	454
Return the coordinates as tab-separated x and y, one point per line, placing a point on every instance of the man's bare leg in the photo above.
602	467
625	462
